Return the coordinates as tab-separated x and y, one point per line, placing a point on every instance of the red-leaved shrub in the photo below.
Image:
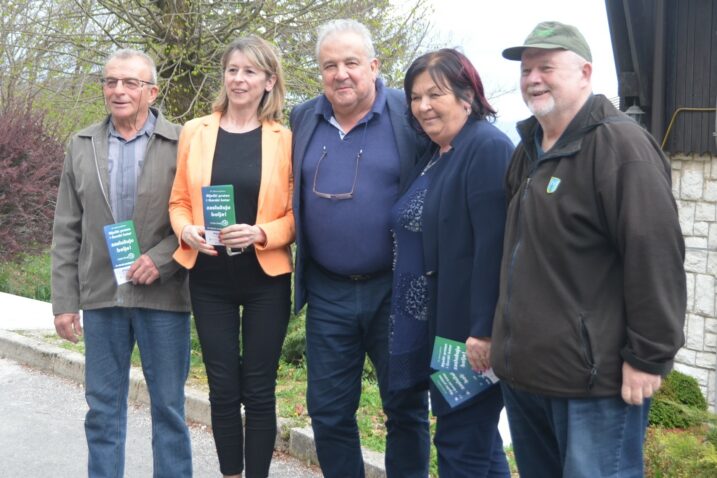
30	166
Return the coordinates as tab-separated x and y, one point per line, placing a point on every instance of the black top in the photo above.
237	161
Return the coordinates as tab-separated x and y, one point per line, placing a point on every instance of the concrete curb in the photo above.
298	442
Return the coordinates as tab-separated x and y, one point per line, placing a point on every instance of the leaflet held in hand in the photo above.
123	248
455	379
218	204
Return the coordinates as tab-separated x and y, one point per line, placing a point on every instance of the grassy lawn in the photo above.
27	276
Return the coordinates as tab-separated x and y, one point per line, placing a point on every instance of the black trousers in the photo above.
241	316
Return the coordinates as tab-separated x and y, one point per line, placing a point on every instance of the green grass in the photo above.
27	276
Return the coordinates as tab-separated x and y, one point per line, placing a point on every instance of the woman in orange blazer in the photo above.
240	286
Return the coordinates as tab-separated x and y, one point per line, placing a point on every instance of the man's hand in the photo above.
478	353
637	385
68	327
143	271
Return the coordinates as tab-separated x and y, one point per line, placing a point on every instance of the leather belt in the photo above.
349	277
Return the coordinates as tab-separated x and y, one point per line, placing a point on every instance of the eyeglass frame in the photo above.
336	196
339	196
124	81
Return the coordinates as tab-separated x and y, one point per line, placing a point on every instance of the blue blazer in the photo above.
463	222
303	121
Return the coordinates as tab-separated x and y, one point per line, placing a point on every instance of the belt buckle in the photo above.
239	251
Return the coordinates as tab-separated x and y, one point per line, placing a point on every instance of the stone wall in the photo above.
694	184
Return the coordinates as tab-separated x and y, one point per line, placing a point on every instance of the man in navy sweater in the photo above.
353	147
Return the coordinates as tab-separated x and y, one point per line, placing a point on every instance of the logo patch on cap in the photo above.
545	33
553	185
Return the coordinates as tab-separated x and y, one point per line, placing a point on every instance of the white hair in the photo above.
127	53
344	25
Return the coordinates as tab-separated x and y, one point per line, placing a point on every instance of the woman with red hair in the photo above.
448	231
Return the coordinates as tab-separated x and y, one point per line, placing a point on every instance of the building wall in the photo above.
694	184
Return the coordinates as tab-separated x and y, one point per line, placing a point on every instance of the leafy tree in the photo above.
187	38
65	42
51	51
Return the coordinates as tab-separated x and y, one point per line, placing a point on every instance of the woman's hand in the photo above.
241	236
478	353
193	236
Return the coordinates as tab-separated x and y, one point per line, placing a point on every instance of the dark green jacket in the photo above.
592	272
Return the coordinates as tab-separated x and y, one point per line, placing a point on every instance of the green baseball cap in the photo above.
549	36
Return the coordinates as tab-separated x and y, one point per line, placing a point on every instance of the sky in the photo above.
482	29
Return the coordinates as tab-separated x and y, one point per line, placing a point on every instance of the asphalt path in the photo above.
42	432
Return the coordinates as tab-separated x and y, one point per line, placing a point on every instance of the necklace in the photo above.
431	163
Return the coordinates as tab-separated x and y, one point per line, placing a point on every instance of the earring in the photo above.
468	111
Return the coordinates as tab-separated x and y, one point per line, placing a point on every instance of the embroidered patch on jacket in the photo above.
553	185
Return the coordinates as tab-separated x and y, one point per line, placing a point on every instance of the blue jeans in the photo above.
345	321
163	339
575	437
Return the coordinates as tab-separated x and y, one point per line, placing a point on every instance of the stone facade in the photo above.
694	184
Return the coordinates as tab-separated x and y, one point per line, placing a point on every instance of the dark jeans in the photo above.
468	442
241	350
575	437
345	321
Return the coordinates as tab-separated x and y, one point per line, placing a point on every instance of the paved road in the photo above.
42	434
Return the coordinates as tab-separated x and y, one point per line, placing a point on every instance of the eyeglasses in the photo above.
128	83
337	196
350	194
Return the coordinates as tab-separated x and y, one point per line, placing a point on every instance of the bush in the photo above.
294	349
678	455
679	403
711	435
30	166
295	341
683	389
670	414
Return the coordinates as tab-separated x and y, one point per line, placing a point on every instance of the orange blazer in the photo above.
274	215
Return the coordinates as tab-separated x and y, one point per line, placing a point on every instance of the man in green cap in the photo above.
592	293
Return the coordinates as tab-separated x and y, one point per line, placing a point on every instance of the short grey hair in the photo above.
127	53
344	25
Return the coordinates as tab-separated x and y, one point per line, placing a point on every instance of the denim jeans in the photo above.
163	339
345	321
575	437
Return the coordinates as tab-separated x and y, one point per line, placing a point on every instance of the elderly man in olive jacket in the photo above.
121	171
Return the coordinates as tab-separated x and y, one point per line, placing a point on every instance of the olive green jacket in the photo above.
82	274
